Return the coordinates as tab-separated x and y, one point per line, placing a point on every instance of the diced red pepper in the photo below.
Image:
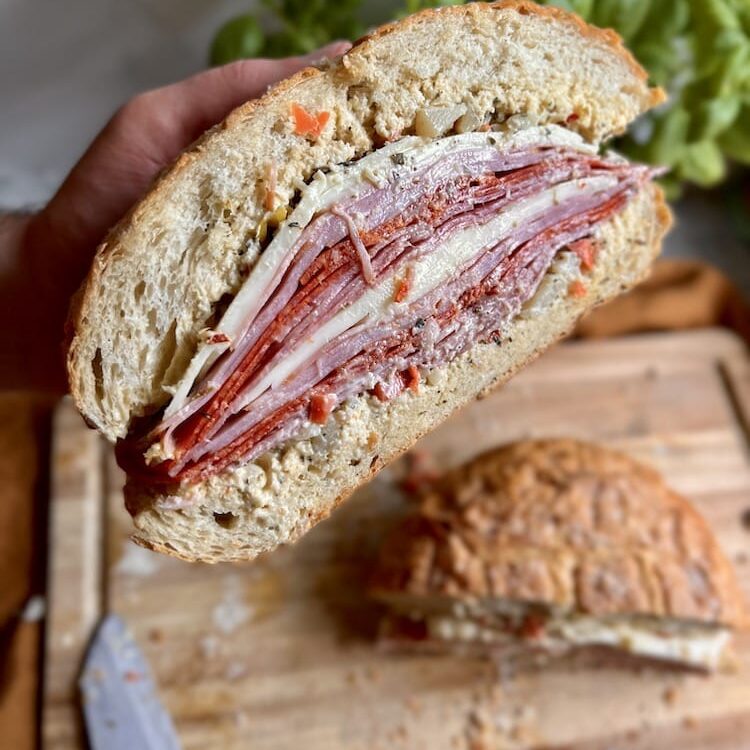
403	285
269	200
586	250
308	124
321	406
532	626
412	378
577	289
379	393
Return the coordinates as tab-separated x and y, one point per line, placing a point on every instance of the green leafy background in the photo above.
698	50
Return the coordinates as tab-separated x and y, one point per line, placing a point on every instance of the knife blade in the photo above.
121	708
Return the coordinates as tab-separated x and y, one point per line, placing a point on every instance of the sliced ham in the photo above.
379	284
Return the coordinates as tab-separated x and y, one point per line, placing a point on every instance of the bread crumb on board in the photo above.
414	706
156	635
232	611
137	561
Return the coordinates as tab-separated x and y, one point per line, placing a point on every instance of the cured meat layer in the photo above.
399	269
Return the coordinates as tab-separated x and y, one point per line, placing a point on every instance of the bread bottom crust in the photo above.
275	499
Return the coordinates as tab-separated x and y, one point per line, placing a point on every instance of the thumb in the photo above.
207	98
148	133
334	49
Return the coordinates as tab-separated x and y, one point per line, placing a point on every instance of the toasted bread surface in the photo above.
571	525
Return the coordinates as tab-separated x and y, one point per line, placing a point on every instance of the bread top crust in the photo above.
608	37
189	232
567	524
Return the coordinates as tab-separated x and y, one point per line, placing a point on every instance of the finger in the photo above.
146	135
207	98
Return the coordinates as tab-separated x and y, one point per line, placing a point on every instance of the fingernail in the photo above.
340	45
330	50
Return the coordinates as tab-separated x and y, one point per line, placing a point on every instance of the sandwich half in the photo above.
339	265
559	547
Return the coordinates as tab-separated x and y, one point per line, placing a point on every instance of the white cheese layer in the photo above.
694	645
323	192
699	646
430	272
327	190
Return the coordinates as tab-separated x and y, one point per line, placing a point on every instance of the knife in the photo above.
120	706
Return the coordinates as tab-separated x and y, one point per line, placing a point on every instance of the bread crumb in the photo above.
413	705
479	731
209	646
398	734
35	609
669	696
231	611
137	561
235	671
240	719
490	730
155	635
690	722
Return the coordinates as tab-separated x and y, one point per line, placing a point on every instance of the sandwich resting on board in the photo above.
558	547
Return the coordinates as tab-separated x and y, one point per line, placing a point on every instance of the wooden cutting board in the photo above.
280	654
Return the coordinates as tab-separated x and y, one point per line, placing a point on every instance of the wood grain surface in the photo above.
280	653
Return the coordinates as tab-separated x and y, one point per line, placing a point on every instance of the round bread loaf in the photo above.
571	525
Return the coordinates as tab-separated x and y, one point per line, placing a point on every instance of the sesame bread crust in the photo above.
567	524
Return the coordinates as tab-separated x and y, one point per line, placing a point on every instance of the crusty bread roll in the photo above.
155	300
559	545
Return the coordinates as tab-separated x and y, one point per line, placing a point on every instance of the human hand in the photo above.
142	138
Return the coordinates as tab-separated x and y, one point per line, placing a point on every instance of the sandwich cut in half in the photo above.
559	547
342	263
